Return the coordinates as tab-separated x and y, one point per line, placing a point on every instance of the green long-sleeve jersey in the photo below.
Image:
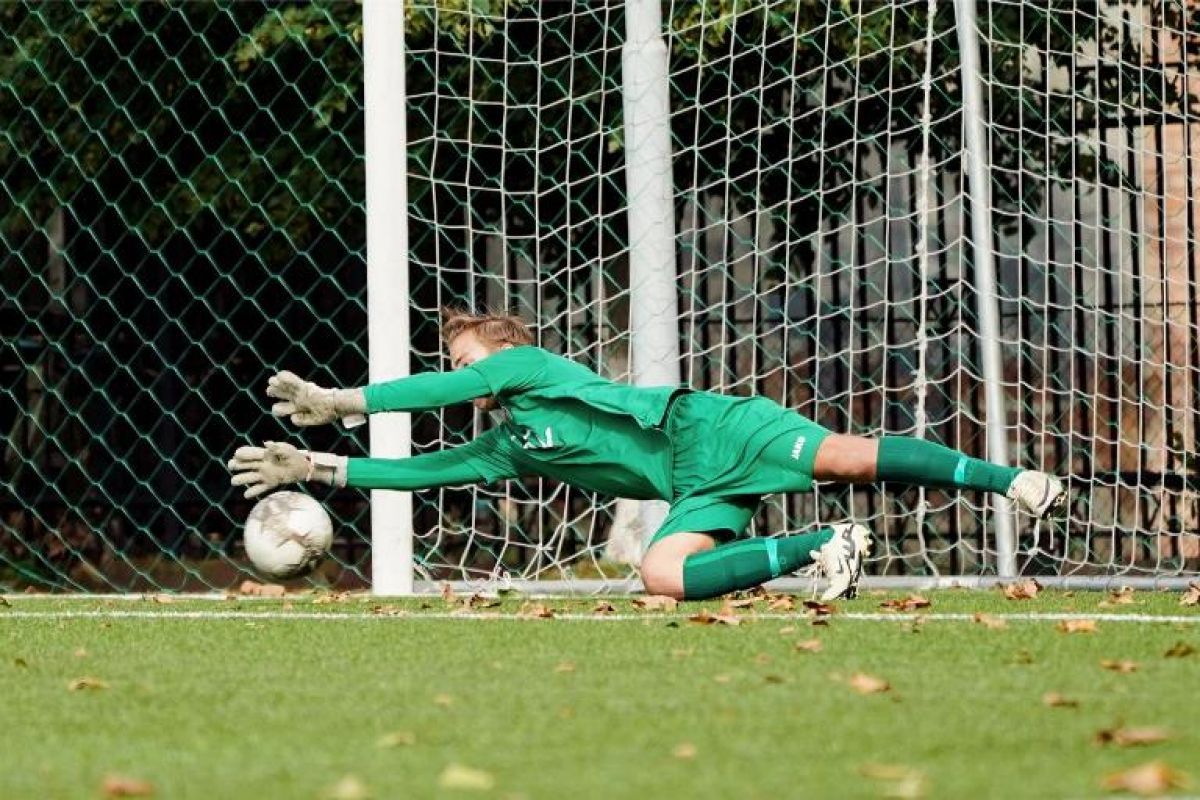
559	420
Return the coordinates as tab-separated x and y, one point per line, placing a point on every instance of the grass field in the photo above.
306	699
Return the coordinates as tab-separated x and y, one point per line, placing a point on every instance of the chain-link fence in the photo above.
183	214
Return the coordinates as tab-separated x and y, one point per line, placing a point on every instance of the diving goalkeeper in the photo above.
712	456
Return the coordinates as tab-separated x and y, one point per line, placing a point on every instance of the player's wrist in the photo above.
326	468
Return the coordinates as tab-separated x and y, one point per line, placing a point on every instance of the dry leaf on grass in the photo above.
787	630
163	599
125	786
863	683
397	739
4	603
899	781
1077	626
739	602
1191	596
1151	778
20	662
722	678
655	602
781	602
1121	597
1119	665
457	776
910	603
809	646
326	598
1180	649
706	618
604	607
387	611
350	787
256	589
533	610
990	621
86	684
443	700
565	666
81	652
1022	590
448	595
1056	700
1131	737
815	609
684	751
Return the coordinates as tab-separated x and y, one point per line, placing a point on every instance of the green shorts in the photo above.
727	452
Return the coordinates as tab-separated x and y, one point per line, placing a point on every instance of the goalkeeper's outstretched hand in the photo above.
261	469
305	403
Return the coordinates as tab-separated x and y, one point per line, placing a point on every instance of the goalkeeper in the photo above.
712	456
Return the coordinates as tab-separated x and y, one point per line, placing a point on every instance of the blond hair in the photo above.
490	327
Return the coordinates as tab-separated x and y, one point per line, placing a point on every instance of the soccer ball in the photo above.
287	535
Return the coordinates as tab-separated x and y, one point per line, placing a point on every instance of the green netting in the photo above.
182	213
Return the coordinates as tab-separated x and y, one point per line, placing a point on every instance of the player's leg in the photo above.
688	565
856	459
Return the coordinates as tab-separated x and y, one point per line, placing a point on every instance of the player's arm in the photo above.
504	372
262	469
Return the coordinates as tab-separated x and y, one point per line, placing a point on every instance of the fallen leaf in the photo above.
781	602
325	598
1022	590
448	596
20	662
684	750
787	630
899	781
655	602
478	600
290	606
910	603
163	599
1122	665
762	659
350	787
706	618
867	684
397	739
604	607
990	621
722	678
1056	700
1153	777
443	700
124	786
1179	650
1131	737
387	611
739	602
809	646
1191	596
814	609
81	652
773	678
86	683
457	776
1022	657
565	666
533	610
1077	626
681	653
1121	597
4	603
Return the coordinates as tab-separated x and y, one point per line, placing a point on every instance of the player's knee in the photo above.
663	576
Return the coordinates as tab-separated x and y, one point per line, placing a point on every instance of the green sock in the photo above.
923	463
747	563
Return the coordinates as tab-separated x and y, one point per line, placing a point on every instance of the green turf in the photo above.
266	708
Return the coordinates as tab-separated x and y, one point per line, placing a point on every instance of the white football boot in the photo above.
1040	494
840	560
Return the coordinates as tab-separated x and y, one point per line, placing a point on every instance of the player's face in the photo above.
466	349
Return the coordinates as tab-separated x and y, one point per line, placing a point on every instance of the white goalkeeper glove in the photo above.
261	469
305	403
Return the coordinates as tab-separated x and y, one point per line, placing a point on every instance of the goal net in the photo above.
182	212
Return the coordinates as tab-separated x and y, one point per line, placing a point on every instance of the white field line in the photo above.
400	614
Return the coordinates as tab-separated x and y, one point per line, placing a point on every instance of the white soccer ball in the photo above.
287	534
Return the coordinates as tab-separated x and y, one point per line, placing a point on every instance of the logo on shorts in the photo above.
798	448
